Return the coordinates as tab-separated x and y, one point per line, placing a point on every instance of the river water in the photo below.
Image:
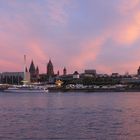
70	116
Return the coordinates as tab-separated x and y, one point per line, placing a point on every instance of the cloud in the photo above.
89	50
8	66
104	69
35	50
92	35
39	51
128	6
127	29
126	34
57	11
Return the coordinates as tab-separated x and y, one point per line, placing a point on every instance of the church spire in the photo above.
64	71
37	70
32	67
50	71
26	69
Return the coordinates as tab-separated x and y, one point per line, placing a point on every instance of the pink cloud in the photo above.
121	67
126	34
123	32
56	11
103	69
126	67
89	50
9	66
128	6
35	50
127	30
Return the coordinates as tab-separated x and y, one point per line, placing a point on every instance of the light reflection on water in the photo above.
70	116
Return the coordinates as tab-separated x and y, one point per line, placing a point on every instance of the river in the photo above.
69	116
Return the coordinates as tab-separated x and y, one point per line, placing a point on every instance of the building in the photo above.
34	72
115	75
14	77
64	71
76	75
138	72
90	73
37	72
50	71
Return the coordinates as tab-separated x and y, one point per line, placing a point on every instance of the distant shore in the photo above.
94	90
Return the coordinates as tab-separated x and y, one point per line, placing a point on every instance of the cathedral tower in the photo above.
33	72
32	68
50	71
64	71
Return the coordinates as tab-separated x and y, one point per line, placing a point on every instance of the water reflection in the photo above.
72	116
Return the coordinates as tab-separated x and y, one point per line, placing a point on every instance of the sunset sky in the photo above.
76	34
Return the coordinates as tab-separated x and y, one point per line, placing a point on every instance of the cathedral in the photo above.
50	71
34	72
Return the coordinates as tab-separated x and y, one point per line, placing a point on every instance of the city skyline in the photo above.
76	34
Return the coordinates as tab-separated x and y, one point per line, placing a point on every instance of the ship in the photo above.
27	89
3	87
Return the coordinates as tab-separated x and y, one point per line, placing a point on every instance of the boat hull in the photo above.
22	90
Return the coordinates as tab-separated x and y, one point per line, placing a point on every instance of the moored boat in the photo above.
27	89
3	87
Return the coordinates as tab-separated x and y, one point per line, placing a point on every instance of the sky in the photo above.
76	34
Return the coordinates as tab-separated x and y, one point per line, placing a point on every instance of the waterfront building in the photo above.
90	73
102	76
76	75
13	77
34	72
49	77
115	75
37	72
43	78
50	71
131	80
67	77
64	71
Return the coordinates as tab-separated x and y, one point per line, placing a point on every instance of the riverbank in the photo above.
94	90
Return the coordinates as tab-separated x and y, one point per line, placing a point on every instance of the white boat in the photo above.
3	87
27	89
